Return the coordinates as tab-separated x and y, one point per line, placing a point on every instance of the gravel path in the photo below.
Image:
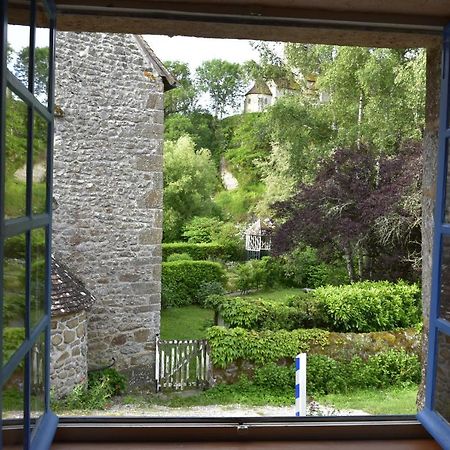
314	409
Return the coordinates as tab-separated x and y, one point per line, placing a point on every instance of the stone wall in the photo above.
108	190
68	353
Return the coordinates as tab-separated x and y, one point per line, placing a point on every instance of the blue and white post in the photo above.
300	385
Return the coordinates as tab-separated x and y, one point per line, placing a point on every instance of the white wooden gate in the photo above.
182	364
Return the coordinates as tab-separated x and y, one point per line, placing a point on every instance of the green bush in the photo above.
113	381
231	344
208	289
201	229
181	280
198	252
303	268
179	257
326	375
370	306
256	274
13	338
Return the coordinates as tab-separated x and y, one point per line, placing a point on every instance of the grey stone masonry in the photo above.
108	186
68	366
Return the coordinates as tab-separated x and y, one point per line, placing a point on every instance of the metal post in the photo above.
300	385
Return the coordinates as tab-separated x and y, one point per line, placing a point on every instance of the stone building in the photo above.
108	186
70	304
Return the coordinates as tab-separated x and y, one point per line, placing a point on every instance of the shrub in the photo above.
181	280
201	229
179	257
12	339
112	380
208	289
198	252
275	377
256	274
302	268
370	306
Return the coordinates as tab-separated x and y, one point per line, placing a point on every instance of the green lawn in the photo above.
275	295
187	322
376	402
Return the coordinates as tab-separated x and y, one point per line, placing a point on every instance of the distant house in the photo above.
262	94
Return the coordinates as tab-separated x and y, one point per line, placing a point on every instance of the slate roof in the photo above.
168	79
260	87
69	294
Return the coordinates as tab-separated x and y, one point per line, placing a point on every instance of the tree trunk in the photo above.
348	256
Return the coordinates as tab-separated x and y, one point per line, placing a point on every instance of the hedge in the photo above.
231	345
360	307
202	251
370	306
182	280
326	375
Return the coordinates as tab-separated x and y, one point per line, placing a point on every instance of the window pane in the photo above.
13	394
445	279
41	66
19	47
442	388
39	164
16	155
37	405
37	276
14	295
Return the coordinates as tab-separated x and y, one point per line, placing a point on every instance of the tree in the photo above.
41	68
183	99
190	180
224	82
342	208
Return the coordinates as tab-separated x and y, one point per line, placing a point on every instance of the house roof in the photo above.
69	295
259	87
168	79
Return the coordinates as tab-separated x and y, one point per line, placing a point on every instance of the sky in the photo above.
196	50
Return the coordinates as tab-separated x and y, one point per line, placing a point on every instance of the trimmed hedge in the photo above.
231	345
182	280
202	251
370	306
326	375
360	307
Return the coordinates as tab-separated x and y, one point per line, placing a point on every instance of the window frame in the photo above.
36	434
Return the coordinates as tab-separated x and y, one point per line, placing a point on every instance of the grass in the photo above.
383	401
186	322
275	295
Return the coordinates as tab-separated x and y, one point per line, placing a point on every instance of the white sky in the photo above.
196	50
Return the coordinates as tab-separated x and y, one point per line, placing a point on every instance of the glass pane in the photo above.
16	155
39	164
37	404
13	394
41	63
442	389
14	295
19	47
445	279
37	276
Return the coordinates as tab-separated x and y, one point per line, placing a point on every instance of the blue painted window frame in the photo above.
438	427
36	435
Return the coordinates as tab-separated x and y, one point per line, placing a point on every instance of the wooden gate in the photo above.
182	364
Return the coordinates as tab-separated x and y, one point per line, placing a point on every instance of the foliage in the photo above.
13	338
189	183
208	289
370	306
202	127
303	268
203	251
41	67
201	229
96	394
181	280
342	206
256	274
183	98
179	257
111	378
228	345
224	82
